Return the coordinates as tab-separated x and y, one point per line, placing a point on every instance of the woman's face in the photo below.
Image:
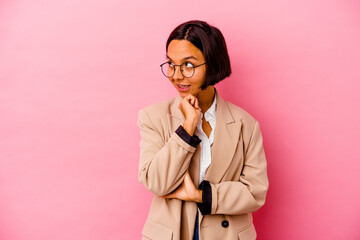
179	52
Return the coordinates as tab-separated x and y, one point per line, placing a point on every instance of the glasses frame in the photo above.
181	71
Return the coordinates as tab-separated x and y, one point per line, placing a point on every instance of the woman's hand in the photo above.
186	191
189	106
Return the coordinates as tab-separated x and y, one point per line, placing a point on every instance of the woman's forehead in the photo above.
183	49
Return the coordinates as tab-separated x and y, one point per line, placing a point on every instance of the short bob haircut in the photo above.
212	44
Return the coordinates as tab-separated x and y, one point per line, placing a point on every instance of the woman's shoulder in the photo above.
241	114
249	123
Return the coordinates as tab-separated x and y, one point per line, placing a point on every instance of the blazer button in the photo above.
225	223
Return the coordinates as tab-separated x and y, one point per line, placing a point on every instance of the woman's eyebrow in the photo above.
185	58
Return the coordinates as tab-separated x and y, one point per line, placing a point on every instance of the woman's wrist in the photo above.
189	127
198	196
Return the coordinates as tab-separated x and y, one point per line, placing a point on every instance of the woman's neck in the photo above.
206	98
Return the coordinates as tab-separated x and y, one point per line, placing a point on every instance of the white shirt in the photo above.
206	143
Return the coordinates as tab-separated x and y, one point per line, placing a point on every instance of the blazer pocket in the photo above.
156	231
249	233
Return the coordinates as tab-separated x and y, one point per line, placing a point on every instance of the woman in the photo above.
200	155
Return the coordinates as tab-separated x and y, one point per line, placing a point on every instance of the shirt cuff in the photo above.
184	135
205	206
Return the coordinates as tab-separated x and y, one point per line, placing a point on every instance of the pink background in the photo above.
73	75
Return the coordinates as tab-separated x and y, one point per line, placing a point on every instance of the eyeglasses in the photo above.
187	69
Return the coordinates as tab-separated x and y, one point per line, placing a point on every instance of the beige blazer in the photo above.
237	174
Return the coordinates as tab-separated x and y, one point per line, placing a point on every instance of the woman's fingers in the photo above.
170	195
185	191
190	108
188	98
192	100
197	103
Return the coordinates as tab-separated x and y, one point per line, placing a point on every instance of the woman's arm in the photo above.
162	164
243	196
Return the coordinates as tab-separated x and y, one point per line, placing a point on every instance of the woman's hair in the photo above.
212	44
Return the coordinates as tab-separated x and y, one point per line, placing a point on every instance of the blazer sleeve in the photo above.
243	196
163	165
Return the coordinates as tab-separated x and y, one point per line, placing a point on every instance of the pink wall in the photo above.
73	75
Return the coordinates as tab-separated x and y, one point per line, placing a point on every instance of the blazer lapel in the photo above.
226	138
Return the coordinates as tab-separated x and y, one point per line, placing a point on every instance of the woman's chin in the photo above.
182	93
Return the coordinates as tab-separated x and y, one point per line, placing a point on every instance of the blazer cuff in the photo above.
205	206
184	135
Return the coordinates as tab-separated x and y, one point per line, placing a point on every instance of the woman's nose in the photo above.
178	74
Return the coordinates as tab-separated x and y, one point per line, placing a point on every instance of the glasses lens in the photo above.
187	69
167	70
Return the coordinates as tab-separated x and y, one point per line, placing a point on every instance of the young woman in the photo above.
200	155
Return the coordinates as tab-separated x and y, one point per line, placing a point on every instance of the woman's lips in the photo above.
183	88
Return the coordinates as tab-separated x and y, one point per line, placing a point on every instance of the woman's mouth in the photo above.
183	88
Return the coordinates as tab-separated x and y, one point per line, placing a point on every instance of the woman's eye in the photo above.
171	64
188	64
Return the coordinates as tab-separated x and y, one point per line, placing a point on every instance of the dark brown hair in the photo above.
212	44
